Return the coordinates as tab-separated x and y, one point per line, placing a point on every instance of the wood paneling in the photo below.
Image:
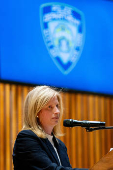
84	148
2	128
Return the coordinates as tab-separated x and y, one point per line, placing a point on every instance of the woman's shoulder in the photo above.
26	140
26	133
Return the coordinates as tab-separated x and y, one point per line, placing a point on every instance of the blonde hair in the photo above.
34	102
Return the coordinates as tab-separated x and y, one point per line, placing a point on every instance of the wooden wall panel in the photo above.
2	129
7	127
84	148
73	141
85	159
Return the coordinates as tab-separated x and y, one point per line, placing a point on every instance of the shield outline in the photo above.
83	39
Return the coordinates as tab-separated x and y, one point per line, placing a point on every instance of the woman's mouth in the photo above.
55	118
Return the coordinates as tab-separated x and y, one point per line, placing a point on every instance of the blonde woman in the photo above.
36	146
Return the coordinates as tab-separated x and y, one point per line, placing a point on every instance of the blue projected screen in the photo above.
67	44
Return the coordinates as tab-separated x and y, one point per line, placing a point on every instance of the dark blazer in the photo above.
33	153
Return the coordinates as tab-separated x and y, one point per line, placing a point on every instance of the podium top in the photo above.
105	163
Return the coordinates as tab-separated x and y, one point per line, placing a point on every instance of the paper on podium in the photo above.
111	149
105	163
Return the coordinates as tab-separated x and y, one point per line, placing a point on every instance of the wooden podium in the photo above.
105	163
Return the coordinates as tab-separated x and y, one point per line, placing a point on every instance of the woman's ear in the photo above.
37	117
38	113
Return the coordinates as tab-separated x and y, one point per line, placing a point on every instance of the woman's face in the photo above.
50	113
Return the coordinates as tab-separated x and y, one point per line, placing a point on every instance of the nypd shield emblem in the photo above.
63	32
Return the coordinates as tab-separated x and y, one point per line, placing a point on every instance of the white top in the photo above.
50	138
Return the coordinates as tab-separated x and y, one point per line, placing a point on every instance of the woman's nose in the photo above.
56	110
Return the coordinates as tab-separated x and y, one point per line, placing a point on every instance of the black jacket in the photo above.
33	153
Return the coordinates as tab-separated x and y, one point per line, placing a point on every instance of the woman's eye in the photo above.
49	107
57	105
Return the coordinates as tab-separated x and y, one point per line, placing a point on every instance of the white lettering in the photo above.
79	40
53	52
51	16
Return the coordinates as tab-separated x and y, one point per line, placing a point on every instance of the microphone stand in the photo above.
89	129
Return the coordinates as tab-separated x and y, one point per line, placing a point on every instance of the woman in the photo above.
36	146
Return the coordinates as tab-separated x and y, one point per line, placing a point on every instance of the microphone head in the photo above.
84	123
68	123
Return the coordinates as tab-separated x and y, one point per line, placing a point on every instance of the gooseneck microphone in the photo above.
84	123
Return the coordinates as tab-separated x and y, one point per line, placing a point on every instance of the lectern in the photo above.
105	163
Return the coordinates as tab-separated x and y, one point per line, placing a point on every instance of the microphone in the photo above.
84	123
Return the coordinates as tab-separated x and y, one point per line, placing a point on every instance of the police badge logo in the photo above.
63	31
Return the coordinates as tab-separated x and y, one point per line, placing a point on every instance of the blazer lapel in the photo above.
52	151
62	152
